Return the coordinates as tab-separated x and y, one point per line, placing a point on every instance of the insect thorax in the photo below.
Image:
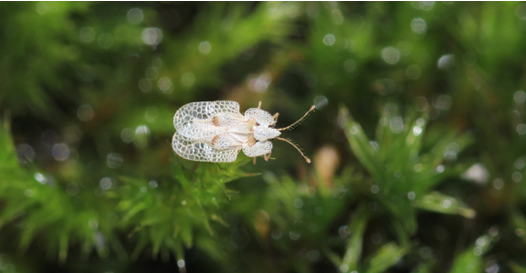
262	133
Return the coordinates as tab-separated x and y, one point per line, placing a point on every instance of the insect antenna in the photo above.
299	120
294	145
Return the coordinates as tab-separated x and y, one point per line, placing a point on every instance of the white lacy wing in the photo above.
195	130
259	149
202	151
261	116
204	110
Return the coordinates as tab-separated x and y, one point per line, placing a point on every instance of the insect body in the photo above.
215	131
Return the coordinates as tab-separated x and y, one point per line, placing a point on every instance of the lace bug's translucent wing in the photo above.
225	142
204	110
201	131
202	151
202	121
259	149
227	120
261	116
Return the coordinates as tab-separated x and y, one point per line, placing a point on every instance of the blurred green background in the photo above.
418	141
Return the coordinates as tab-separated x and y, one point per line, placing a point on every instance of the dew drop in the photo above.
259	83
276	234
181	263
329	39
344	231
492	267
40	178
390	55
87	35
498	183
396	125
114	160
188	79
165	85
60	151
25	153
152	36
482	241
477	251
417	130
298	203
418	25
411	195
294	235
320	102
135	16
337	17
127	135
443	102
519	96
516	176
151	114
205	47
493	231
106	183
477	173
521	129
85	112
354	130
519	232
349	65
446	62
145	85
520	162
384	121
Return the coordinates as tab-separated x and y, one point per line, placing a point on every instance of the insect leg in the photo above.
267	156
259	105
254	160
275	117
